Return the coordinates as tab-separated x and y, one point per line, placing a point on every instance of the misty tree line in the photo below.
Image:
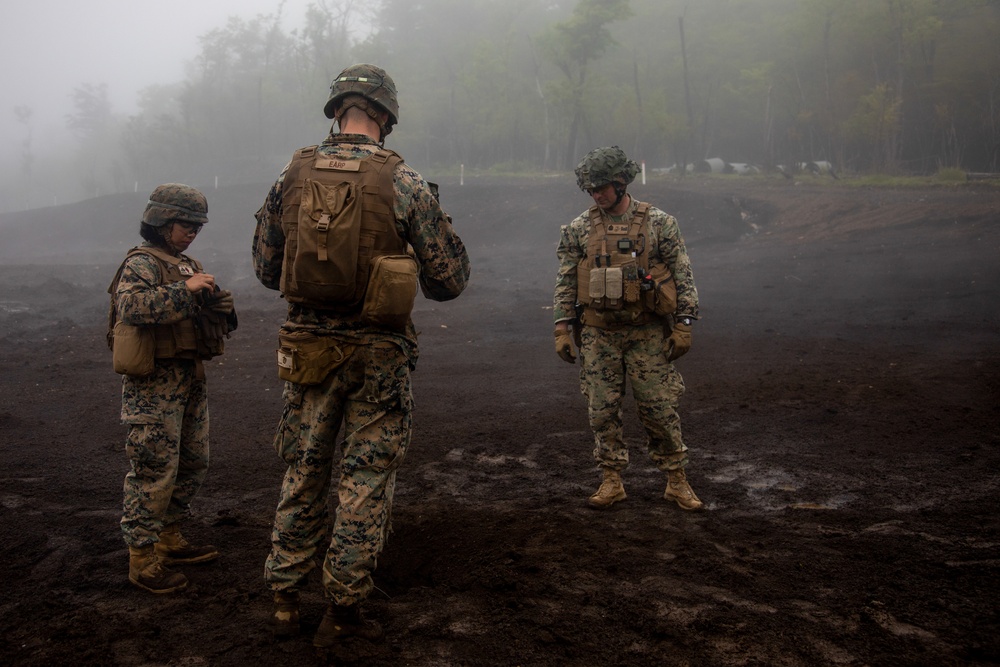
894	86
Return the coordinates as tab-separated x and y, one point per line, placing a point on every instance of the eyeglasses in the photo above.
190	228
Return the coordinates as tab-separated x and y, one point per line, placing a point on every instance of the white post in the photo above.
216	182
461	177
135	188
643	172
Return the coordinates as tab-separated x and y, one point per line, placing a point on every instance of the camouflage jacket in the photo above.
665	238
444	262
141	299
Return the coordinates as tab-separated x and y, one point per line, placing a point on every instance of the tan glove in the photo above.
214	326
679	342
221	301
564	346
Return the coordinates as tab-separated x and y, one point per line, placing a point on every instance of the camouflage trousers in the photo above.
370	396
167	446
608	359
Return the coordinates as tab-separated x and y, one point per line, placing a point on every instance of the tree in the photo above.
571	46
23	113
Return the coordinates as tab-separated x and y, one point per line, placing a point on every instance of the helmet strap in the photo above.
619	192
370	109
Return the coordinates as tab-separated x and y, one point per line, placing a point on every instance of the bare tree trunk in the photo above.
687	98
638	107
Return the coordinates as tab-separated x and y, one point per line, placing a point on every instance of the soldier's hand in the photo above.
679	342
564	346
200	281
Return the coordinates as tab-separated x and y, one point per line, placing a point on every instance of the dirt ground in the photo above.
841	410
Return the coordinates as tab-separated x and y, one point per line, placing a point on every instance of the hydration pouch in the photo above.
305	358
392	289
132	350
325	248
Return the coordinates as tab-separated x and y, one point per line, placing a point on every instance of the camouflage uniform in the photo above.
610	356
369	395
166	412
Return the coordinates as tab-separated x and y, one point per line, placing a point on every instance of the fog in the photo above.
115	97
50	47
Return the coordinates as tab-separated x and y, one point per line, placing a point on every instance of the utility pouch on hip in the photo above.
132	350
664	290
392	289
305	358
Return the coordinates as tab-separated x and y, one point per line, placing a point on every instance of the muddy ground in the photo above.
841	410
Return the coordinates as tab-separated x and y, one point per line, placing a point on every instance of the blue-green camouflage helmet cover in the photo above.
605	165
175	202
369	81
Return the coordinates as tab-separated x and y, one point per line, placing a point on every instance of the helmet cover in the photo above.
175	202
605	165
370	82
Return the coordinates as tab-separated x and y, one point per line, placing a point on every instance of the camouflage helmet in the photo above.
605	165
370	82
174	202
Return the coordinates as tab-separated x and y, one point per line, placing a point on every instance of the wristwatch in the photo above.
685	320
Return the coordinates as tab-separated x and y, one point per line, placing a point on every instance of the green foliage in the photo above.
951	175
898	86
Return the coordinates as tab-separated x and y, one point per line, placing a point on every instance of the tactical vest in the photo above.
328	257
180	340
614	281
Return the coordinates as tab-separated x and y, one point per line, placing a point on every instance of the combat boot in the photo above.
680	491
610	492
174	549
340	621
146	570
285	618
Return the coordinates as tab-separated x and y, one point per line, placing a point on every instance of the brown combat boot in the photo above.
610	492
174	549
680	491
146	570
348	621
285	618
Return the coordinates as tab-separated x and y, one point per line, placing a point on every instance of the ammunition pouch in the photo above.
305	358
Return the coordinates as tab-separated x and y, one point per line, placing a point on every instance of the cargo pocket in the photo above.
387	384
144	398
286	437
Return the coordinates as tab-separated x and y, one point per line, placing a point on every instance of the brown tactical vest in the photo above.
350	221
613	283
180	340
